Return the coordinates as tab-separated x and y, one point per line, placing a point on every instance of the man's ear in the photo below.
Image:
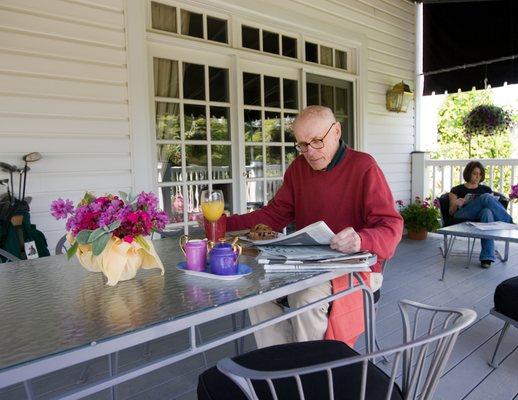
338	127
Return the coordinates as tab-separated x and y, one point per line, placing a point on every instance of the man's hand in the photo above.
459	202
346	241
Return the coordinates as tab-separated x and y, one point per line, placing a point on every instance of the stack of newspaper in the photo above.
308	250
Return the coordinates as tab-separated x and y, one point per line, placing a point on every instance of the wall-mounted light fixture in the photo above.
399	97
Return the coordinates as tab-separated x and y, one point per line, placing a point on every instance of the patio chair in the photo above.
506	308
331	369
447	220
5	256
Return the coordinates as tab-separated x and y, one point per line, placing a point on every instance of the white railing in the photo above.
431	178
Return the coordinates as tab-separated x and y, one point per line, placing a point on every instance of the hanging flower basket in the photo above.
486	120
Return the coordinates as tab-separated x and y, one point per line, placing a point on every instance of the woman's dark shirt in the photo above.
461	191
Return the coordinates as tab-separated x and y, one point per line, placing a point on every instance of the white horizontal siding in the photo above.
64	93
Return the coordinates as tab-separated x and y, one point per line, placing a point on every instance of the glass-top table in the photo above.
56	314
465	229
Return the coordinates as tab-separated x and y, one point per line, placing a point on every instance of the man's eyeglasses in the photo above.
315	143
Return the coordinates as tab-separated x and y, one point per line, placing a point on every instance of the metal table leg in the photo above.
448	244
471	246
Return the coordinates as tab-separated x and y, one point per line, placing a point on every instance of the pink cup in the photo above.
195	251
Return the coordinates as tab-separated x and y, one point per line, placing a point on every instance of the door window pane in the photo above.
196	162
272	92
340	59
254	161
250	37
271	188
271	42
167	121
273	161
290	153
163	17
217	29
291	93
218	84
311	52
289	47
221	162
169	162
341	101
312	94
220	123
253	126
251	89
165	77
193	81
326	56
326	95
272	127
195	122
192	24
289	119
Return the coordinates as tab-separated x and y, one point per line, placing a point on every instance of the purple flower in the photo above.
147	201
61	208
514	192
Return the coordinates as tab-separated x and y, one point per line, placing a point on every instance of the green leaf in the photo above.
72	250
83	236
95	234
114	225
140	240
99	244
123	196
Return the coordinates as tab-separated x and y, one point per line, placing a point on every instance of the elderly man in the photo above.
347	190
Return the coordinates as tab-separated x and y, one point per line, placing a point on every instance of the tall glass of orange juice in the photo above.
212	206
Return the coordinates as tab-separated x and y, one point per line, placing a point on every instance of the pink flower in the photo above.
61	208
128	239
399	202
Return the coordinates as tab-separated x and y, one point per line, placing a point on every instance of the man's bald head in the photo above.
315	112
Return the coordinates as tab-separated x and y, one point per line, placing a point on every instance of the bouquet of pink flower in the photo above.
97	219
514	193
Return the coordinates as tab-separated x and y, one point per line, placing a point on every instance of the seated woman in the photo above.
475	202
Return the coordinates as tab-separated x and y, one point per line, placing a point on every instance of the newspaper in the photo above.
305	253
315	234
492	226
357	265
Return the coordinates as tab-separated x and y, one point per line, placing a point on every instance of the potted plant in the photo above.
486	120
420	217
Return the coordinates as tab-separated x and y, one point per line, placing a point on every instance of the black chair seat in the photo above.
213	385
506	298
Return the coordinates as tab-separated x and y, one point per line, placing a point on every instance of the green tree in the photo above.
452	139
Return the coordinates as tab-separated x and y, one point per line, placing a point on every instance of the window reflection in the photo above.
217	29
253	126
169	162
272	91
163	17
219	123
167	121
290	90
272	127
221	162
273	161
271	42
195	122
218	84
250	37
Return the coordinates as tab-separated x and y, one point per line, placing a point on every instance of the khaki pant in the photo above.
310	325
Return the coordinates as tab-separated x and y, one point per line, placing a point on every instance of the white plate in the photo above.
242	270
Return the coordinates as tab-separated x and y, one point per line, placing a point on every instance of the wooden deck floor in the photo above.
413	273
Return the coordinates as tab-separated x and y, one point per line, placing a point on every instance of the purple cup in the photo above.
223	259
196	254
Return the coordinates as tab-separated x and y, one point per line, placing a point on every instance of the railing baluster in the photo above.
433	182
501	183
442	181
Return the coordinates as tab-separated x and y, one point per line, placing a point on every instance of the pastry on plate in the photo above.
262	232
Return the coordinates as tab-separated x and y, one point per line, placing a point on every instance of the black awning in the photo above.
469	32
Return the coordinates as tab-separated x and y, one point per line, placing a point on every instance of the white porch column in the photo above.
419	174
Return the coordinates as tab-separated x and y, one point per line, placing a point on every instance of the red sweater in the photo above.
354	194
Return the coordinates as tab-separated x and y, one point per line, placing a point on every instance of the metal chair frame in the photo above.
508	322
421	363
8	255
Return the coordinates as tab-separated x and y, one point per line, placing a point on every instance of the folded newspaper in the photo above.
356	265
314	234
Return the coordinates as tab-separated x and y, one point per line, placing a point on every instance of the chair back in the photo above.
62	245
429	334
7	256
